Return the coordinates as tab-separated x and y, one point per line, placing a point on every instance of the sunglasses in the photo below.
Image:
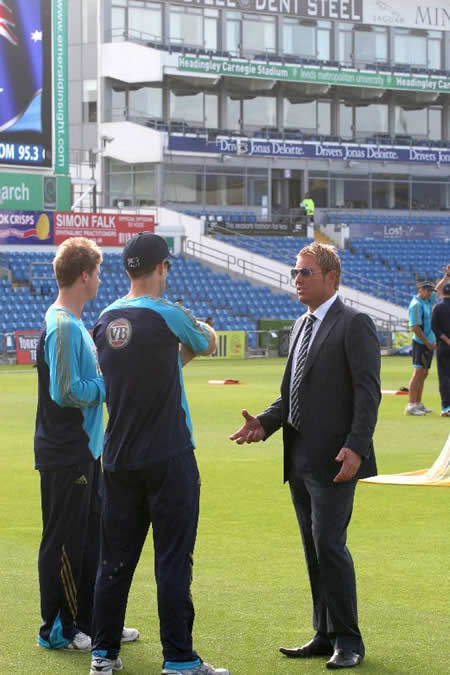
168	265
303	271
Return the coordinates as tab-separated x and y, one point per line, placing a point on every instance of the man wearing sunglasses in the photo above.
150	471
327	409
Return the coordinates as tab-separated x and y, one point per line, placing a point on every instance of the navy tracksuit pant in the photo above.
68	554
167	497
443	367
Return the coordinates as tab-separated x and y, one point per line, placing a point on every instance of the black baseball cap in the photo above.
426	284
144	251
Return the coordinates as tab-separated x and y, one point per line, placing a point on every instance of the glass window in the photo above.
146	102
381	194
233	33
411	122
260	112
145	20
186	26
299	39
370	44
200	109
89	21
145	187
345	121
300	116
118	24
257	189
428	194
258	33
119	104
410	48
435	123
89	100
371	119
434	53
211	29
318	189
233	114
345	44
183	187
324	117
323	40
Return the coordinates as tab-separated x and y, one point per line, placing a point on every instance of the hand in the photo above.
431	346
251	432
351	462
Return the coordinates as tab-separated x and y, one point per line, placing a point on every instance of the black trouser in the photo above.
166	496
324	512
443	367
68	556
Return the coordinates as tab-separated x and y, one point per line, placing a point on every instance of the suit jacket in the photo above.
339	396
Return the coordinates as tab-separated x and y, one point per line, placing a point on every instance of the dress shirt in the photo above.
320	313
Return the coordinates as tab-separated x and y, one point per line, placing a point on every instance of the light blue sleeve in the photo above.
186	327
69	387
415	313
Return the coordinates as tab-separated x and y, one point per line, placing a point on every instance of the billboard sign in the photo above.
379	231
346	77
261	147
344	10
25	83
33	191
107	229
26	345
26	227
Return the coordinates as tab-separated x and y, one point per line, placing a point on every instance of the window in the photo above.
371	119
425	123
371	44
233	32
89	101
184	188
313	117
345	44
146	101
260	112
200	109
299	37
192	26
226	188
135	185
345	121
258	33
89	21
428	194
145	20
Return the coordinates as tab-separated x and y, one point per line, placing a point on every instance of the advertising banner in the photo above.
260	147
378	231
60	81
107	229
344	10
230	345
26	227
34	192
25	83
348	77
26	345
429	14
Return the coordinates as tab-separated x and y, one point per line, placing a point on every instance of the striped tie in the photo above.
299	368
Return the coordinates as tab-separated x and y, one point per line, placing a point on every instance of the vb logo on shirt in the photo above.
118	333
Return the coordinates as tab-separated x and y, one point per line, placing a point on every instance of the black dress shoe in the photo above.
315	647
344	658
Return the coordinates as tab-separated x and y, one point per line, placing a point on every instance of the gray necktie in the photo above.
299	368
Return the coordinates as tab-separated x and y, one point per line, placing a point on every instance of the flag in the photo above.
21	62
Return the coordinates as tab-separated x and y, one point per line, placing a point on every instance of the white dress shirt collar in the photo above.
321	311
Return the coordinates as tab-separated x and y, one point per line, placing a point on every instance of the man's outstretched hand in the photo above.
252	430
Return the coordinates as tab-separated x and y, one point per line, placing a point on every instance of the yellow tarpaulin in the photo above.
437	476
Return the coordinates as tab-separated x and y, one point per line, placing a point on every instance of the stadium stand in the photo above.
234	304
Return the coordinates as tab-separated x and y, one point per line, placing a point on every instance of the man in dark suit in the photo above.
328	407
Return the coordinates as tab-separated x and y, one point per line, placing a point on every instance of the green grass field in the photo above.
250	585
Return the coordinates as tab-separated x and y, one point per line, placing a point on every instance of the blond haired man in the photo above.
67	445
327	409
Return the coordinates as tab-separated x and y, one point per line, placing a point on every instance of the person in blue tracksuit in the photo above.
68	442
423	346
150	471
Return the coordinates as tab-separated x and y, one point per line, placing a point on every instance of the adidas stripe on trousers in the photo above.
68	554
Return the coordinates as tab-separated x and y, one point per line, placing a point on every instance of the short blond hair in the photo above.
73	257
326	256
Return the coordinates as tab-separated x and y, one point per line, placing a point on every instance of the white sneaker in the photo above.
413	409
105	666
79	643
202	669
423	407
130	635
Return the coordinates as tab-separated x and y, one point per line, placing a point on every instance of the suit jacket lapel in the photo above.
293	342
324	328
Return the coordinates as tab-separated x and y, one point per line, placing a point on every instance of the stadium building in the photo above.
244	106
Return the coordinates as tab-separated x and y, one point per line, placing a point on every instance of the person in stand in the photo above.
327	409
308	204
150	470
423	346
68	442
440	324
